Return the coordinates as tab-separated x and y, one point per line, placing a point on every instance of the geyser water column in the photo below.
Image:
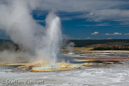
53	36
52	40
40	42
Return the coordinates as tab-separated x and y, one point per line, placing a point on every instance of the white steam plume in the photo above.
50	44
70	47
17	21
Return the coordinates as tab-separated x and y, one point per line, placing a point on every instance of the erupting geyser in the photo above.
41	42
53	37
38	42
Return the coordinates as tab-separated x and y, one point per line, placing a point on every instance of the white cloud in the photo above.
88	38
103	24
107	34
80	5
124	23
115	33
126	34
110	14
100	24
95	33
94	10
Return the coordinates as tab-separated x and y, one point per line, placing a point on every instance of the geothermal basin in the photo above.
81	70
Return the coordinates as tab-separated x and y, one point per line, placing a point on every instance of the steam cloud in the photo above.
70	47
16	19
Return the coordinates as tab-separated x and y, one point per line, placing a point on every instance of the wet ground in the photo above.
110	75
114	75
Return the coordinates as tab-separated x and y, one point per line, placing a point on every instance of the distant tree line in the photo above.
8	45
83	43
111	48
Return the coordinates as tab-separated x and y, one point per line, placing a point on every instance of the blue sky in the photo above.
87	19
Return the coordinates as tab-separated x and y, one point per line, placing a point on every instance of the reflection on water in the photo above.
72	58
99	55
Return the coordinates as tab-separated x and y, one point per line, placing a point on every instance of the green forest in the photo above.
83	43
